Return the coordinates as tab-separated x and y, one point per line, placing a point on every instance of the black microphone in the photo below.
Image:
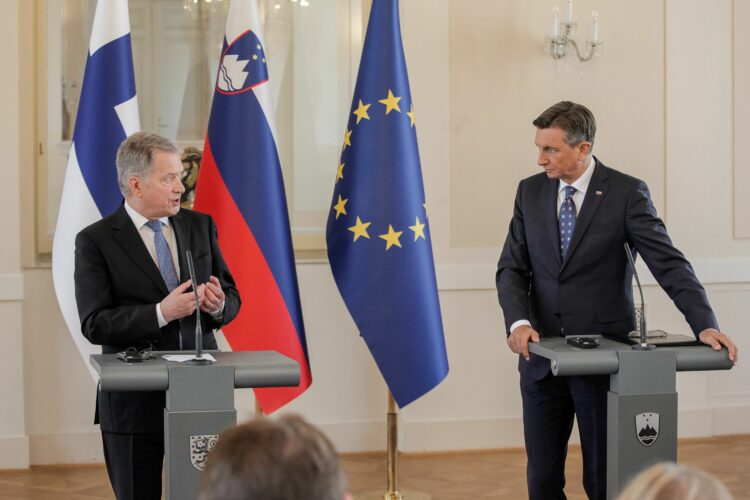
199	359
643	346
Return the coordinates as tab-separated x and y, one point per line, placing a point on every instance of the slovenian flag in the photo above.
107	114
241	186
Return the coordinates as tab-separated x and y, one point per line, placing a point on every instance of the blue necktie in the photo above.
164	256
567	220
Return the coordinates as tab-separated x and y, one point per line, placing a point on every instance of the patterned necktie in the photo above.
164	256
567	220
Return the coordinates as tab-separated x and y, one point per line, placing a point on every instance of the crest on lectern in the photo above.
200	445
647	428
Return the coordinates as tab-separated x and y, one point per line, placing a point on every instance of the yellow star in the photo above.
391	237
391	102
360	229
411	115
339	207
361	111
418	229
348	139
340	173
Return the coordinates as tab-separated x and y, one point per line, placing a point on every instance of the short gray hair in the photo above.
136	154
284	459
576	120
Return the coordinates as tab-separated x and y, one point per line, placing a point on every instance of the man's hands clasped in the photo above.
180	302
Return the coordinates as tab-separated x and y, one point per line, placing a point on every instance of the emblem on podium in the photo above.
200	446
647	428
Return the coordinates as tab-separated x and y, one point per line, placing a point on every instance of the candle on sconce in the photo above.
595	27
555	25
570	11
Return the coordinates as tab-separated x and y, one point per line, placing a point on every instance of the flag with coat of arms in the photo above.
241	186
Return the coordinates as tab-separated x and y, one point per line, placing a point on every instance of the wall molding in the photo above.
357	437
68	448
14	452
482	276
11	287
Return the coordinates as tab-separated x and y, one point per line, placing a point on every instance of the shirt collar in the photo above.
582	183
138	219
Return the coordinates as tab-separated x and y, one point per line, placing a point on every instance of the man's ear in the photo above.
585	148
134	183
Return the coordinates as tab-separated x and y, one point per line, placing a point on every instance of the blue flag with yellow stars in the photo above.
378	233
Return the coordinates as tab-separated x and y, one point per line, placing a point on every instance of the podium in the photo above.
199	401
642	398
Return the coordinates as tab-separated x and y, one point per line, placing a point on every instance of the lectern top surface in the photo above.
566	359
252	369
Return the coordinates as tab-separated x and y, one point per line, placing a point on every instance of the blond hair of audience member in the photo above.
670	481
273	459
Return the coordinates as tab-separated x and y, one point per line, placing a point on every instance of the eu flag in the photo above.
378	233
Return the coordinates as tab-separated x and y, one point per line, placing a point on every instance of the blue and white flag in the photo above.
378	234
107	114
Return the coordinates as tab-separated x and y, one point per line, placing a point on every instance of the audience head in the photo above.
670	481
273	459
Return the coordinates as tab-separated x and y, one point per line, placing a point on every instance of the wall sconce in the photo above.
563	33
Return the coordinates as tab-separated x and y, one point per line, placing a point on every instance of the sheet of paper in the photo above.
181	358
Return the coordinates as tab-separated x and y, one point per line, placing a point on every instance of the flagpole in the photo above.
392	453
392	463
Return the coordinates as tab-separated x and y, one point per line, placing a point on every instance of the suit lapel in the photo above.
182	235
549	197
126	235
595	193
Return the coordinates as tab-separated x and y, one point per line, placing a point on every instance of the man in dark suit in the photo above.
133	290
563	271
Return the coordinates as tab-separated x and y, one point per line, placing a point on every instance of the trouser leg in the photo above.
547	423
134	464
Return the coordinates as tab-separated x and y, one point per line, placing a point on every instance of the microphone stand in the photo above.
199	359
643	345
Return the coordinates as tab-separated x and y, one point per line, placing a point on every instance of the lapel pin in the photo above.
599	193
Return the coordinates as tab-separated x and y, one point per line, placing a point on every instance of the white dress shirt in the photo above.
147	235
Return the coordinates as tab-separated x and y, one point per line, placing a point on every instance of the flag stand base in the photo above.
392	468
402	495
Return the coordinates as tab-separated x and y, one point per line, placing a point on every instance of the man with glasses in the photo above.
134	294
563	271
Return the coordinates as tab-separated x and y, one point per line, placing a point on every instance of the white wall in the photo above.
47	395
13	435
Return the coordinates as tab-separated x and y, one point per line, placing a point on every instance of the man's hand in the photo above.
519	340
213	296
716	339
180	303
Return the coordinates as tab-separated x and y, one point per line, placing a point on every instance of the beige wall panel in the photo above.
501	79
741	111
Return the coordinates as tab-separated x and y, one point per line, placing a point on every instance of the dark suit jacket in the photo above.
118	285
590	292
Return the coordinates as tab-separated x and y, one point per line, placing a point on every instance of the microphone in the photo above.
199	359
643	346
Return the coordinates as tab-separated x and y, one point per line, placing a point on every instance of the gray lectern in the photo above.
642	399
199	401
